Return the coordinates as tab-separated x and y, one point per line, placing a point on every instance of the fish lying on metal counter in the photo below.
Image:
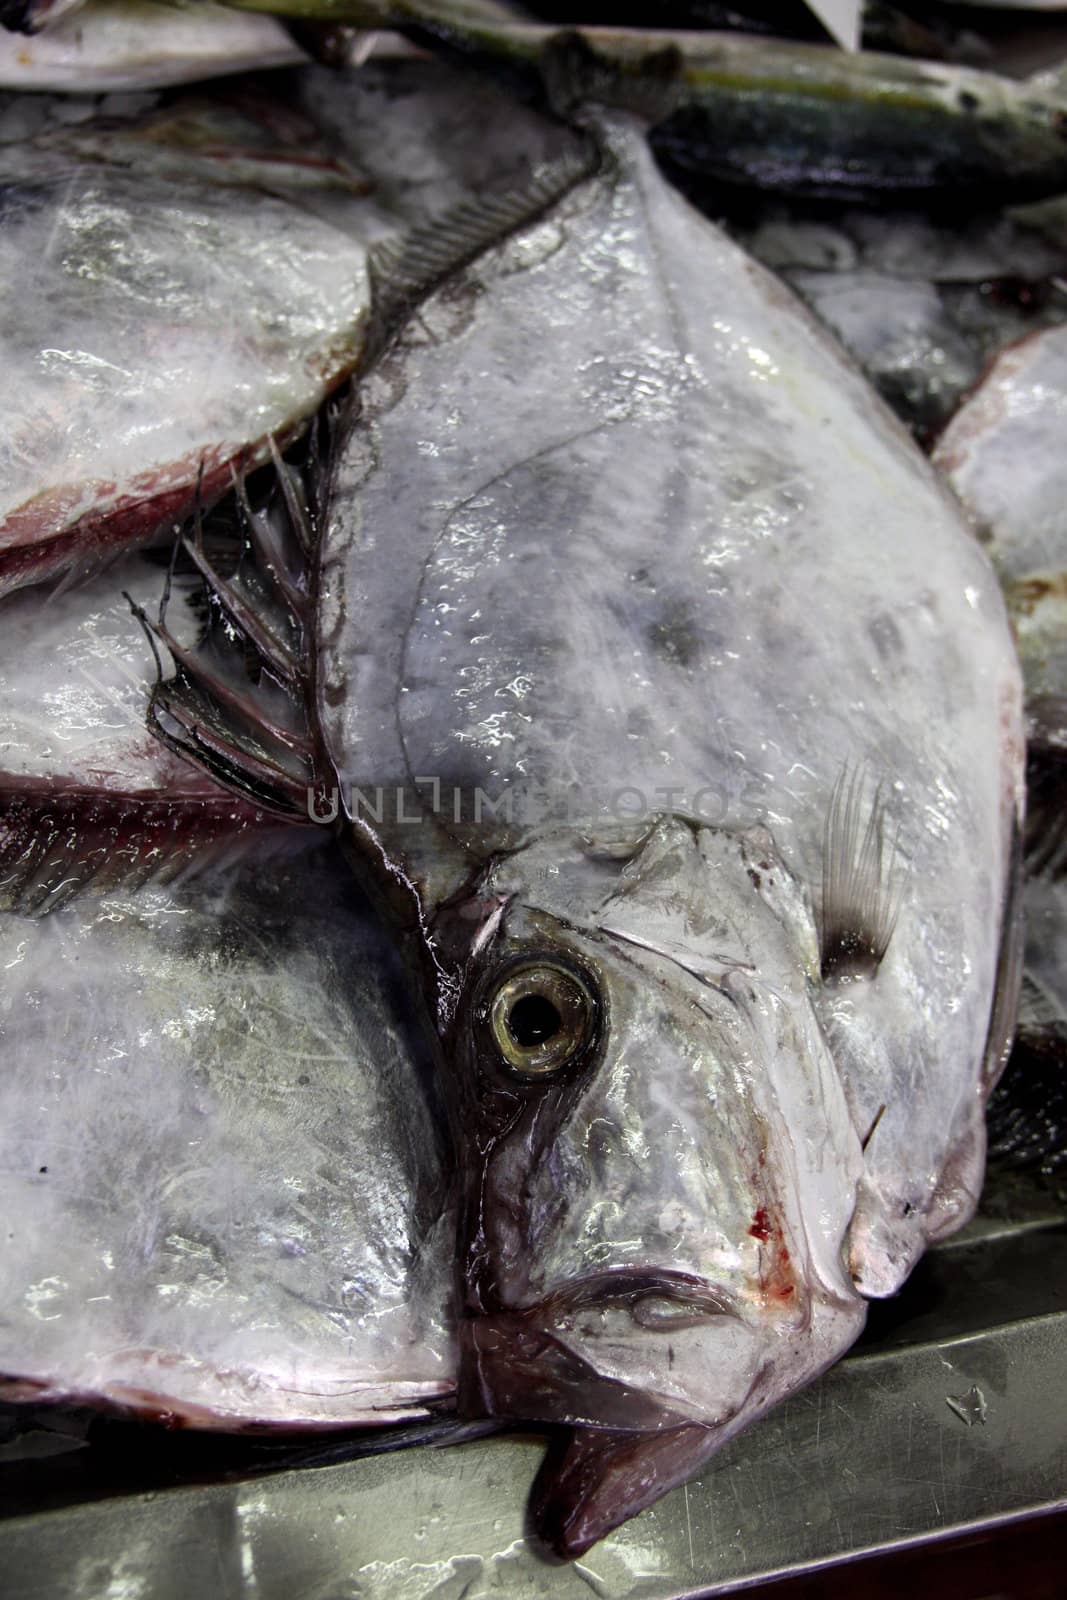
670	708
221	1164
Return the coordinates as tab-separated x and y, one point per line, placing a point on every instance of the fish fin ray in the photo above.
237	706
406	270
859	903
59	840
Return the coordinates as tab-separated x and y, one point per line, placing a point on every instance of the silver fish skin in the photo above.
221	1173
134	44
32	16
221	1161
141	369
619	529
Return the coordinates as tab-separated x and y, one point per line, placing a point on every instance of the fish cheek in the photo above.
514	1098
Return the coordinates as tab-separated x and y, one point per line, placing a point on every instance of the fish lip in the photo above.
622	1285
517	1361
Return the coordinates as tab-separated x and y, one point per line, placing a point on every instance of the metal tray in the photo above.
950	1414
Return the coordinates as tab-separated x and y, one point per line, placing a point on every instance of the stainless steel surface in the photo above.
871	1457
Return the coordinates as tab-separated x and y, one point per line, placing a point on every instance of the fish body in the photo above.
622	656
220	1167
221	1158
143	372
922	306
777	116
107	45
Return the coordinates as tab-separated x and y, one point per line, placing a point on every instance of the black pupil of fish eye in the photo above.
533	1020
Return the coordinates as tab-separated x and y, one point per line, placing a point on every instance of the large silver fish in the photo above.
221	1166
669	703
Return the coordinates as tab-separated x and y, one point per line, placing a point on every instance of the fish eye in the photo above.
541	1017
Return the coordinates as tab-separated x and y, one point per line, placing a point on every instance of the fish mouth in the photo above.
520	1363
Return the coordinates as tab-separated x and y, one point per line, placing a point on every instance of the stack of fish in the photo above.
511	758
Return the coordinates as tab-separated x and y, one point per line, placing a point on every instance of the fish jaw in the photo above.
647	1237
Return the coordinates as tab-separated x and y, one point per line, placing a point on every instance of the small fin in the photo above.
59	840
859	908
647	83
1005	1010
404	271
594	1479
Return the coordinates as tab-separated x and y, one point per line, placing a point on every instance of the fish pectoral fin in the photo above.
593	1479
60	840
404	271
859	903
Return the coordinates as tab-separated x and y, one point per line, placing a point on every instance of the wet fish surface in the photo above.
923	307
686	1040
221	1171
1001	453
221	1159
777	116
142	372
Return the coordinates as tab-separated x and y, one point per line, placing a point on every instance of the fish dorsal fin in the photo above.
404	271
240	707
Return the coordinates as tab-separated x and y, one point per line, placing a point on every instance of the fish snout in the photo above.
635	1350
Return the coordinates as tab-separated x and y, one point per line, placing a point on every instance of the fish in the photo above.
142	373
104	45
662	698
1001	456
223	1167
31	16
778	117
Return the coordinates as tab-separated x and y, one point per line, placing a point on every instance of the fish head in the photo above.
657	1159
